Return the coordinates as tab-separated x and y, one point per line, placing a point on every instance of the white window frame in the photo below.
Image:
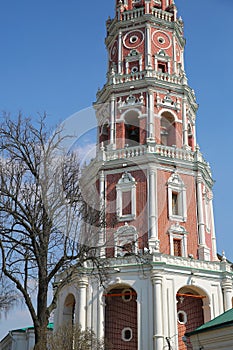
184	315
176	185
178	232
127	183
123	334
130	295
123	236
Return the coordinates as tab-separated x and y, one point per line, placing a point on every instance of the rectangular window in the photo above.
126	203
162	67
177	247
175	203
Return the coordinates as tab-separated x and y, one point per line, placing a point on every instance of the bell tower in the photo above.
149	134
154	187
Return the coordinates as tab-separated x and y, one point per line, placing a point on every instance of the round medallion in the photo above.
133	39
161	39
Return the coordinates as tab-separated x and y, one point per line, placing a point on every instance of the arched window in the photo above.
192	305
121	320
190	136
69	309
132	132
167	129
104	133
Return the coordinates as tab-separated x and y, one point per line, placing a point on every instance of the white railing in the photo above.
157	13
130	152
173	152
119	79
141	150
168	78
133	14
163	15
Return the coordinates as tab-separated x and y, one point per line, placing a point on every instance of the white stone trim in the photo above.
123	236
176	185
181	312
178	232
126	184
123	334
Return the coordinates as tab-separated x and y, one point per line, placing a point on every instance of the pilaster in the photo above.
203	251
227	289
152	204
158	335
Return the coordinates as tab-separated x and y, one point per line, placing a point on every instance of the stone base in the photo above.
204	253
154	245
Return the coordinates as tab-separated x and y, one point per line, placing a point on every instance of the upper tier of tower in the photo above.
147	5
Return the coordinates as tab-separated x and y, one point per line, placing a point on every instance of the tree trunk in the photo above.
42	314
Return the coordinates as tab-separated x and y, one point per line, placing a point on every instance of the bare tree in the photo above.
8	297
41	207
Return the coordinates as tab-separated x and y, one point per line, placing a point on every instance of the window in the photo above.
177	247
167	130
126	240
126	198
162	67
127	334
134	69
127	295
178	240
182	317
177	208
126	203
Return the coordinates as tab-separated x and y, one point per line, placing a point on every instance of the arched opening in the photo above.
69	309
121	330
132	131
190	137
192	304
167	129
104	133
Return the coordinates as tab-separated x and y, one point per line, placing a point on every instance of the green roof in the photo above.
223	320
50	326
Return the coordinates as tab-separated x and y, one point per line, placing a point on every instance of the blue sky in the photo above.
53	59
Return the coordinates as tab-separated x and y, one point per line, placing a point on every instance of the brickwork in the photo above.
192	307
120	314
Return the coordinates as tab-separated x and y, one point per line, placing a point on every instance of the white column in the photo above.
102	208
89	306
153	215
203	250
174	54
150	106
214	247
201	224
120	53
112	122
148	47
227	293
185	128
182	58
147	2
195	135
101	307
158	312
82	303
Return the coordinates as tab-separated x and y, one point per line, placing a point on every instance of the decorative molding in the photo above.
126	183
176	186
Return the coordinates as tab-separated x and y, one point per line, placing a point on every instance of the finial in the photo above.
224	256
